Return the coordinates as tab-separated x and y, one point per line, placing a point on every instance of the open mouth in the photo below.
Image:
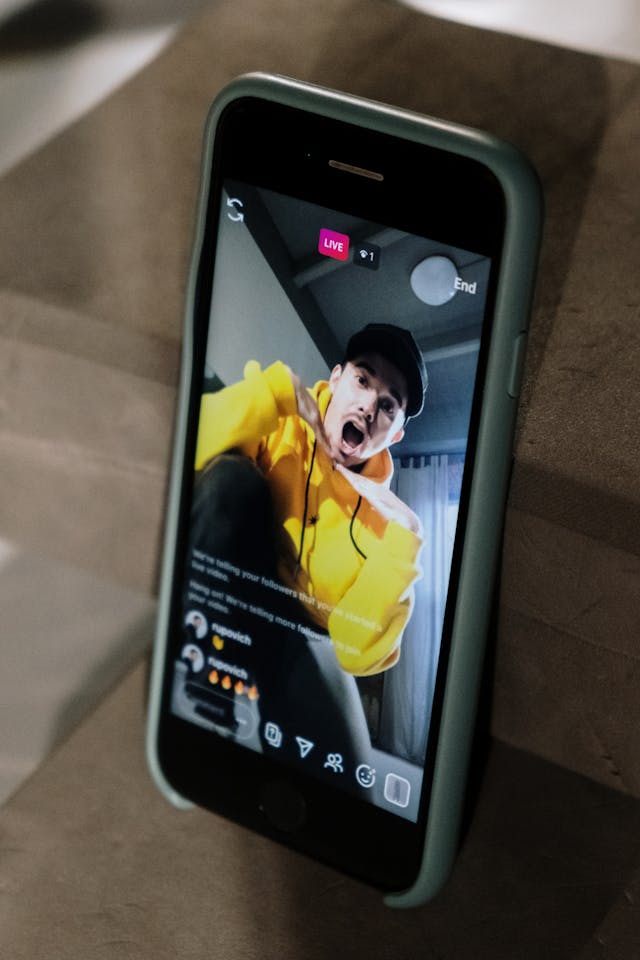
352	437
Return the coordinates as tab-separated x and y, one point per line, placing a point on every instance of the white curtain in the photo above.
423	484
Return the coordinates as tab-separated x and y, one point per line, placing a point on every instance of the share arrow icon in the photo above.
305	746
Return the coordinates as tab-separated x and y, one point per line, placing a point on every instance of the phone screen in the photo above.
332	430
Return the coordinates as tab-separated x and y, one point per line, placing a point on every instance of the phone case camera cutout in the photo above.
354	331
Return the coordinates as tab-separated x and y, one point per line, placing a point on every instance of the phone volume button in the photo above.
514	381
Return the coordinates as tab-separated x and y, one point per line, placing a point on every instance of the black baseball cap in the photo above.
399	347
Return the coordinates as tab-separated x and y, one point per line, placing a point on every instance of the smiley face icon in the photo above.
365	775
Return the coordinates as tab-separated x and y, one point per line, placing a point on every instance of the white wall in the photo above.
254	320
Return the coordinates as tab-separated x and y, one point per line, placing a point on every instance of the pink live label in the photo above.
333	244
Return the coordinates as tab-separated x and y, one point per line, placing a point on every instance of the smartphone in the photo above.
353	345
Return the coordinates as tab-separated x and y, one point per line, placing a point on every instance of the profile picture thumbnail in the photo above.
193	656
196	624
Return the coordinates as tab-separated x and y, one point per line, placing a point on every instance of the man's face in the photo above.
366	412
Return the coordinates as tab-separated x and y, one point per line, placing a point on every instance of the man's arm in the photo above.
383	500
241	414
366	626
308	410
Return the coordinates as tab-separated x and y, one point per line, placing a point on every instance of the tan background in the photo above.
95	244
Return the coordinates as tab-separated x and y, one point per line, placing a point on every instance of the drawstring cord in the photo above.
306	506
306	510
355	514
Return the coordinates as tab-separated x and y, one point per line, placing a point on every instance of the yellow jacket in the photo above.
355	575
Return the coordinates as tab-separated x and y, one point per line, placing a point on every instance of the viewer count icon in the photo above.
367	255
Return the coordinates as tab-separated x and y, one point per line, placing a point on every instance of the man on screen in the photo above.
293	484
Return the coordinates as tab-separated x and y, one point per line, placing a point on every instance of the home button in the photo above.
283	806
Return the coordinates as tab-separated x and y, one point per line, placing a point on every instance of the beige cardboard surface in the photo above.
94	863
86	416
94	248
567	670
67	637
